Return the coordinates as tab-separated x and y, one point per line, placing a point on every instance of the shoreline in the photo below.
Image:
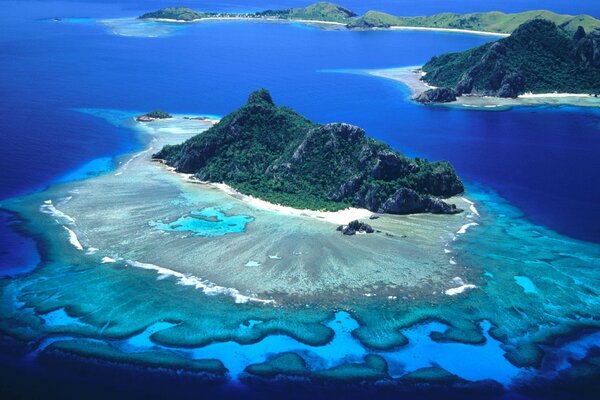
448	30
341	217
410	77
305	21
322	22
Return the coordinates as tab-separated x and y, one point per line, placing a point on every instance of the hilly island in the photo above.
277	155
539	57
492	22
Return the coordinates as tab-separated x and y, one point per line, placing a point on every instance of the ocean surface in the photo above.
541	161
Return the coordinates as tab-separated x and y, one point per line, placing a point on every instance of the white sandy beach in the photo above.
342	217
411	78
449	30
305	21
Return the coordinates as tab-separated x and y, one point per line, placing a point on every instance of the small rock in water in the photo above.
355	227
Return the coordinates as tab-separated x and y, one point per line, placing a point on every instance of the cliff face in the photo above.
278	155
538	57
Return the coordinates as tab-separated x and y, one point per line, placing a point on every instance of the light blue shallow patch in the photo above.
60	318
141	28
472	362
208	222
527	285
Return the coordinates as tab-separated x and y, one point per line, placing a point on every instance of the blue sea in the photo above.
542	160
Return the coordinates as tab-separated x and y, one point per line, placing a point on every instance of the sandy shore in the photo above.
304	21
411	78
320	22
342	217
450	30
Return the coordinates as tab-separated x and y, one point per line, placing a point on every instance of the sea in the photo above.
57	57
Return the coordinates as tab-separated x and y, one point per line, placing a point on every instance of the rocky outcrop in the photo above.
588	49
407	201
355	227
437	95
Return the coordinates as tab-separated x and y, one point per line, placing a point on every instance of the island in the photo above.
539	57
151	116
277	155
494	22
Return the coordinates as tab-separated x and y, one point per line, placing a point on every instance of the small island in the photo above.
153	115
494	22
277	155
538	58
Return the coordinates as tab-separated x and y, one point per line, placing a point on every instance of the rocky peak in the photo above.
260	96
579	34
588	49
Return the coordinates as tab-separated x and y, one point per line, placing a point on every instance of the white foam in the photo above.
252	263
447	251
48	208
91	250
452	261
73	239
460	289
463	229
108	260
206	286
335	217
274	257
471	206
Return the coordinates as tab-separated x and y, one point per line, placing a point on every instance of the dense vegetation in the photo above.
494	21
321	11
278	155
538	57
178	13
488	21
159	114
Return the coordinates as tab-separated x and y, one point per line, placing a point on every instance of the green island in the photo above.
492	22
279	156
152	115
539	57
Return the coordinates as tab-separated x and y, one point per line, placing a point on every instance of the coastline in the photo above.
342	217
322	22
448	30
411	76
261	19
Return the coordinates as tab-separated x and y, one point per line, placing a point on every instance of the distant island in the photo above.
539	57
277	155
151	116
486	22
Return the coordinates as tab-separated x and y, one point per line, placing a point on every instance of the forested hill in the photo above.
538	57
494	21
277	155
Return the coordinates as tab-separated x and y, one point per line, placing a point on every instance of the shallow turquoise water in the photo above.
207	222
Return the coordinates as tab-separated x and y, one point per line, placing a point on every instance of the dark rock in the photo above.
588	49
355	227
348	231
512	85
579	34
407	201
438	95
374	216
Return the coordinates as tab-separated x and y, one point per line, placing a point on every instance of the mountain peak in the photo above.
260	96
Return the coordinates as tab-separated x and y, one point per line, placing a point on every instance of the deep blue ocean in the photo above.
543	160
